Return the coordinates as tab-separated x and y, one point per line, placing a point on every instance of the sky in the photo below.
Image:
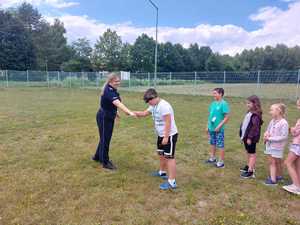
227	26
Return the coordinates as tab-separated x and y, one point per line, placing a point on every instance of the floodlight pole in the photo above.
155	59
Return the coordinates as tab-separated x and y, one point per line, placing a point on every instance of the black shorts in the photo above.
168	150
251	149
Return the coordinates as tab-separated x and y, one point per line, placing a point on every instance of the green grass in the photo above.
48	135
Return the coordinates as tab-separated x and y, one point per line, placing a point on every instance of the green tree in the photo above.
214	63
16	48
81	53
142	54
126	59
107	51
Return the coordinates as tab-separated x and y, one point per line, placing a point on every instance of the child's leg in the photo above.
297	183
162	163
212	151
222	154
272	167
251	161
171	168
291	164
279	170
220	144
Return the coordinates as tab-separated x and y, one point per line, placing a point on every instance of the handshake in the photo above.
132	114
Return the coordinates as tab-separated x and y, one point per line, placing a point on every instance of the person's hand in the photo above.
249	142
217	129
266	137
132	114
165	141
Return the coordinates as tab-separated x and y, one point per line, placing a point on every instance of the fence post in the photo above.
58	78
27	77
258	80
6	73
170	76
70	78
195	82
149	81
224	79
298	80
48	80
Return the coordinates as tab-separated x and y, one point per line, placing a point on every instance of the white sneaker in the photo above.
292	189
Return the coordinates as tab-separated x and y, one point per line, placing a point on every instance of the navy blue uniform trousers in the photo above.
105	124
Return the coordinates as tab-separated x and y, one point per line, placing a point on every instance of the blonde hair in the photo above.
281	108
110	78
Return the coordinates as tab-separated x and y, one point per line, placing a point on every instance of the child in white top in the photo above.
165	126
275	139
293	160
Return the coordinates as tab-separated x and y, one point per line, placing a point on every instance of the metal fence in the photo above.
267	84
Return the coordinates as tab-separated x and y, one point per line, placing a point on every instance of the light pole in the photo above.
155	59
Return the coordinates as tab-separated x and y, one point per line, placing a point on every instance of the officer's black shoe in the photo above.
95	159
110	162
108	166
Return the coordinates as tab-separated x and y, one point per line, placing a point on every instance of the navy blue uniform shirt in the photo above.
110	94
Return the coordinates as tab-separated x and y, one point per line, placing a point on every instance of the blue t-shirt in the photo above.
217	111
110	94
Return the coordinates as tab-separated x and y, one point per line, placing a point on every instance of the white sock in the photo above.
171	182
162	172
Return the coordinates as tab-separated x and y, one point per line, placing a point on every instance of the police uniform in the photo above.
105	120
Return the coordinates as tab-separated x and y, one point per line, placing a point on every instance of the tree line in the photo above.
29	42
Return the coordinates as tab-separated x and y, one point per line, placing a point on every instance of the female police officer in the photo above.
110	102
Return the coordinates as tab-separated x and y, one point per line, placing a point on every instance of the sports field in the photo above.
47	137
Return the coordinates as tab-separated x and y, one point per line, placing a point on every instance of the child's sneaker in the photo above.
157	174
269	182
292	189
248	174
244	169
279	179
220	165
211	161
166	186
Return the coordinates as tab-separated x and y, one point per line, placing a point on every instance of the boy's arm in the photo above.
167	119
142	113
224	121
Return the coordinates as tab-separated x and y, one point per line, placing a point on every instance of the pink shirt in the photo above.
279	132
295	131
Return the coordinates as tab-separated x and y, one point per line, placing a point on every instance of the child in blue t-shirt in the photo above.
218	116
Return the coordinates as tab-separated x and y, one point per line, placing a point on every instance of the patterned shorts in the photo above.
275	153
295	149
217	138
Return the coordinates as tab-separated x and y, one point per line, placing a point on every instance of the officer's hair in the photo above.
110	78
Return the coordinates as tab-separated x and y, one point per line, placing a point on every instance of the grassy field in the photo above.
268	91
47	137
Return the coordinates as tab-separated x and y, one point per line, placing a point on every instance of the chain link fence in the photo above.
266	84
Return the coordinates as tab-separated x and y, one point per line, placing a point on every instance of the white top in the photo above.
158	112
245	124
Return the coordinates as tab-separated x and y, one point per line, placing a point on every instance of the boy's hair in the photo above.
256	104
220	91
150	94
281	107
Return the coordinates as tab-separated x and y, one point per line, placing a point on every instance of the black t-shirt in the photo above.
110	94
